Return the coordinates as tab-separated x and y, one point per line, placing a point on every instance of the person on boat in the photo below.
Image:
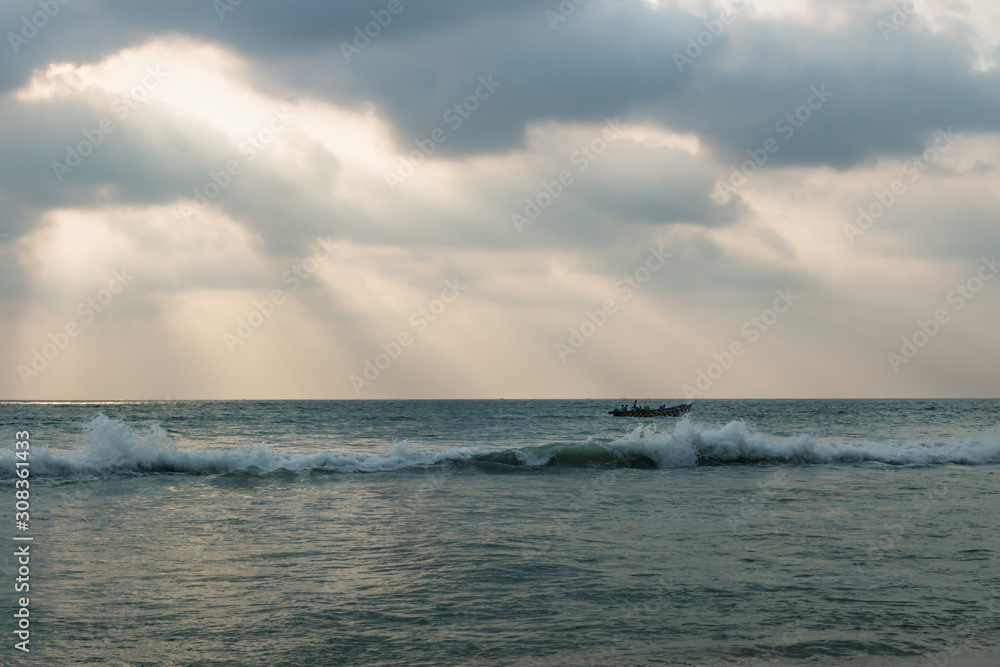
635	405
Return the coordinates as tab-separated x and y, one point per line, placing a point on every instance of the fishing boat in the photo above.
646	411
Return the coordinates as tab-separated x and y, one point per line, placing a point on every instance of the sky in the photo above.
499	199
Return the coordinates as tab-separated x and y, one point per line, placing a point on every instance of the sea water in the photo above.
506	533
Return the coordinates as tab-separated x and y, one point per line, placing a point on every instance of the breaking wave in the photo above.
112	448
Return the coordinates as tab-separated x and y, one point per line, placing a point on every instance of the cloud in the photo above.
261	136
609	58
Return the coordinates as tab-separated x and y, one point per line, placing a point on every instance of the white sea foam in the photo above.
689	444
111	447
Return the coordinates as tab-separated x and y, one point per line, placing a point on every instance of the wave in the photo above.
112	448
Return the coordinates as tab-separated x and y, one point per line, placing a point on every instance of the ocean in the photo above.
506	532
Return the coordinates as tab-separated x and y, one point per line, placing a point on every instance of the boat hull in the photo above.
672	411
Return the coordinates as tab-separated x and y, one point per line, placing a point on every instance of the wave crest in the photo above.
112	448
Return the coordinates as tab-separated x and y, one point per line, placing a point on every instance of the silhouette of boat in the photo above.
646	411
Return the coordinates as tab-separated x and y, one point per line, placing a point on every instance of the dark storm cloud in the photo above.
86	30
607	58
